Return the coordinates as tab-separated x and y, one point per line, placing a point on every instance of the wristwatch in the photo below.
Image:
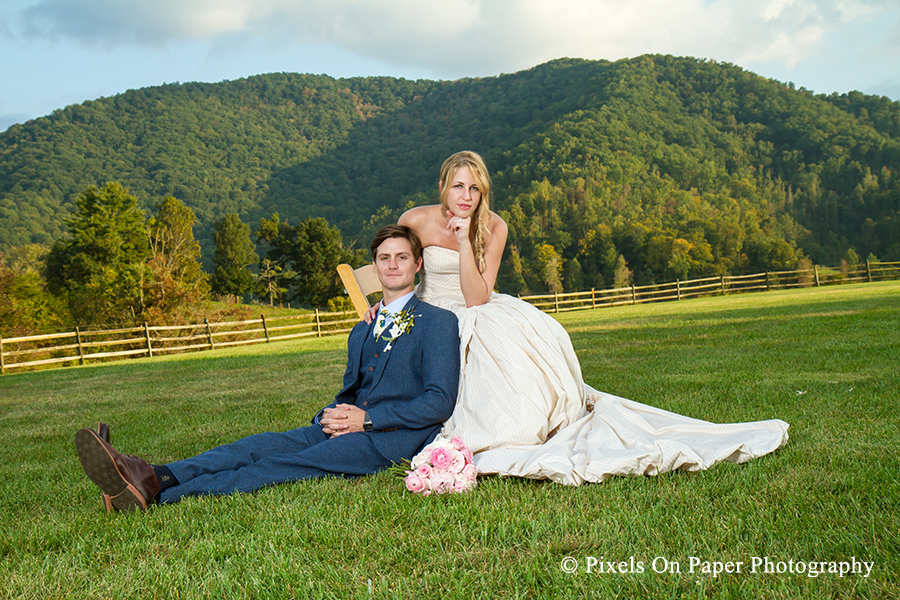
367	422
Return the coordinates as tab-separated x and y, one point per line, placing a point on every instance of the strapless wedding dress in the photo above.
525	411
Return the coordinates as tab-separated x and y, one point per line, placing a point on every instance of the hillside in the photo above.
679	166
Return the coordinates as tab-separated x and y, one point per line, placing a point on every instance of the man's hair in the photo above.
397	231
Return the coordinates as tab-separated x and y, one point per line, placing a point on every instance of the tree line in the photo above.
118	267
644	169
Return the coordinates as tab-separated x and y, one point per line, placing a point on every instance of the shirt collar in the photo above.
397	305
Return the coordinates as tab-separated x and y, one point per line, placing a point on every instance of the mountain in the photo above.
680	166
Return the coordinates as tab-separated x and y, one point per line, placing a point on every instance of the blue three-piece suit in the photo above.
408	391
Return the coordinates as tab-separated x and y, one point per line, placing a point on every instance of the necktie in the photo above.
380	323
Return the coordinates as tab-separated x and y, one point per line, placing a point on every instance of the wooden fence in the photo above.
725	284
113	344
152	340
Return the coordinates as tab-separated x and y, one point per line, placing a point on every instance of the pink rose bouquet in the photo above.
442	467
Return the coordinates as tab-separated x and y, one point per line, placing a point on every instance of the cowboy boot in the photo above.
105	500
130	481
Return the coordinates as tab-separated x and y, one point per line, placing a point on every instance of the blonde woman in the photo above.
523	407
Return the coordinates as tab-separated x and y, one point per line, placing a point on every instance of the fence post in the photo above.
147	336
80	350
869	270
816	271
723	284
678	288
556	302
265	327
767	281
633	299
318	325
2	362
208	333
593	298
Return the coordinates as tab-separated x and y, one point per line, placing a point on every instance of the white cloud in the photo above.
462	37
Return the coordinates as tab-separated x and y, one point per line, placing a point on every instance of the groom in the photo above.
399	387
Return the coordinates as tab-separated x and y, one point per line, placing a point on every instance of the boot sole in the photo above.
101	468
103	434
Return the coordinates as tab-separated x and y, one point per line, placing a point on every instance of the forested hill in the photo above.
679	166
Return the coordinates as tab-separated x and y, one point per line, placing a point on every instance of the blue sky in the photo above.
61	52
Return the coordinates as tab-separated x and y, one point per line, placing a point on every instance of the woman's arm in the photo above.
476	285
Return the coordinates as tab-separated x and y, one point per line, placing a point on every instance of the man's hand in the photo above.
344	418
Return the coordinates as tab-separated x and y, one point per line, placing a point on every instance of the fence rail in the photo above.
149	340
725	284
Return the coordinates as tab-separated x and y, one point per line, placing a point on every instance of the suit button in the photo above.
371	368
376	355
365	403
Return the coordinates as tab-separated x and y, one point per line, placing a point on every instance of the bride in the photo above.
523	407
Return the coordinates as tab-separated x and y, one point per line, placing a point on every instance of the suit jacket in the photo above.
414	385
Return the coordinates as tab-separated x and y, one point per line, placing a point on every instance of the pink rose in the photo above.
468	454
441	483
415	484
470	472
458	462
457	443
424	471
460	486
441	458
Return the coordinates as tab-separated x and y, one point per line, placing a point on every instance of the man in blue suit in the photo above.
399	387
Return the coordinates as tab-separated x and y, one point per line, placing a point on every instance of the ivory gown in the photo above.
525	411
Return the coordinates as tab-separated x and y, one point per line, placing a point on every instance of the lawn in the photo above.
824	359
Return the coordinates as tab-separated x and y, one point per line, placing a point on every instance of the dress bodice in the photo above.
439	278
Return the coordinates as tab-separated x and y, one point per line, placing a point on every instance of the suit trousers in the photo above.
269	458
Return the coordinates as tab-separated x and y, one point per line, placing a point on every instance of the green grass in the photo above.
257	309
825	360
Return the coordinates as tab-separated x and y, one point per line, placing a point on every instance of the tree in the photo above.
551	267
100	267
311	251
31	258
270	275
622	276
511	278
598	255
25	307
175	280
680	262
234	253
573	277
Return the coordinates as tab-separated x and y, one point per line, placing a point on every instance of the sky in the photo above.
54	53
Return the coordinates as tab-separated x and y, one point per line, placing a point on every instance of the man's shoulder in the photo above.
359	328
431	310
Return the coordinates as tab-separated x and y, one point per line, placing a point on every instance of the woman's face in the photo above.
463	195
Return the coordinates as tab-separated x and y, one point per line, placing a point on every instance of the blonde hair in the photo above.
479	229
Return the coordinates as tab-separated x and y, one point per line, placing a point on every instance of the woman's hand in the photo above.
459	227
370	314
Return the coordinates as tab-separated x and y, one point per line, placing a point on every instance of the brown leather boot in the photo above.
105	500
129	480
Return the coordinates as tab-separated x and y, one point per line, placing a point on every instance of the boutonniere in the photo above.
403	322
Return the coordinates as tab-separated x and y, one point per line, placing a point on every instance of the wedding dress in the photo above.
525	411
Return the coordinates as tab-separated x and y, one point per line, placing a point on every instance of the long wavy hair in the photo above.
482	216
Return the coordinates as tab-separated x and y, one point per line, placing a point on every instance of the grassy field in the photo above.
825	360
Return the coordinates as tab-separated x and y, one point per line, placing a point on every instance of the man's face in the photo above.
395	266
